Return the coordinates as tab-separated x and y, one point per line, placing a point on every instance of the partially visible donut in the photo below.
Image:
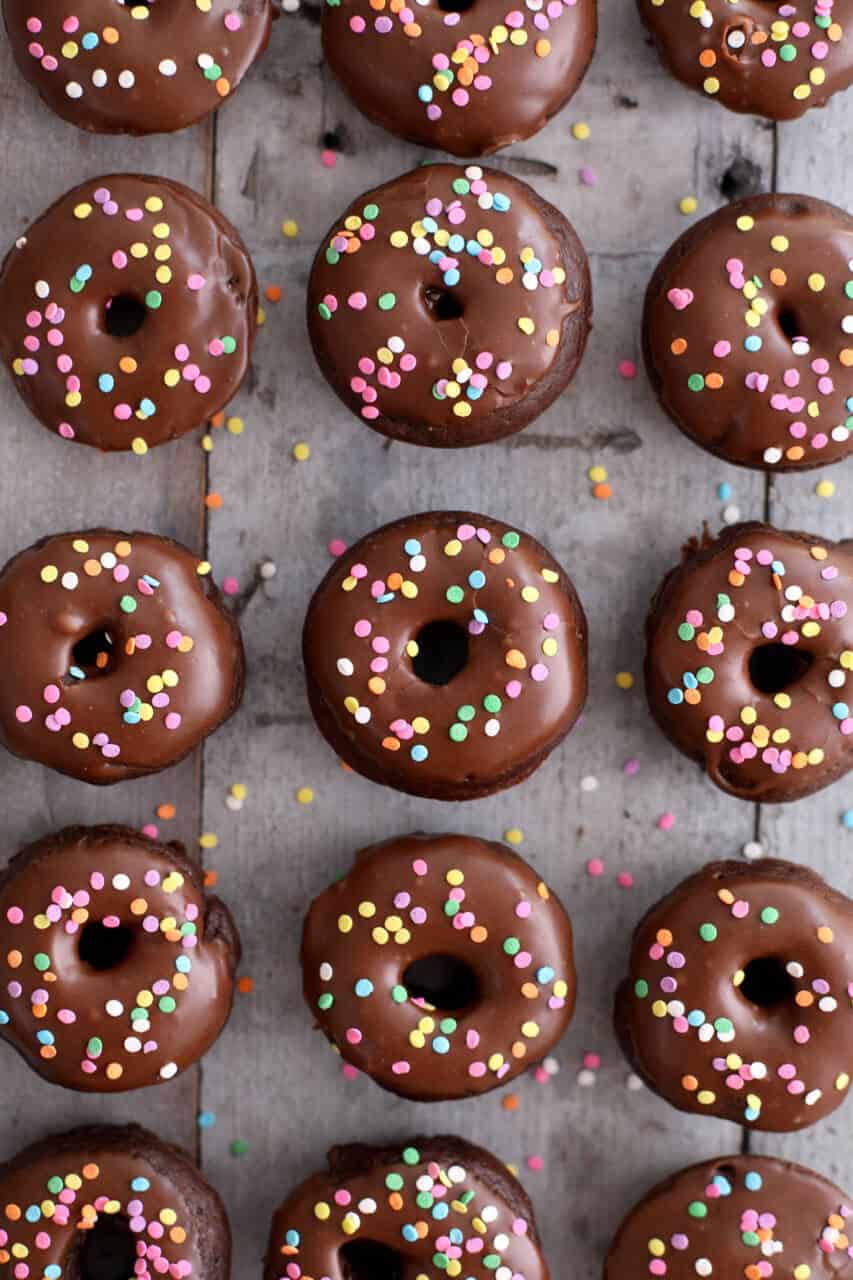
110	1200
431	1206
733	1217
440	965
449	307
737	1002
763	57
749	660
121	656
136	66
445	655
127	312
748	333
118	970
464	78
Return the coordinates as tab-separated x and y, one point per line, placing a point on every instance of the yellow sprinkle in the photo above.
825	488
207	443
580	130
49	573
301	452
235	425
208	840
526	325
816	282
688	204
290	228
597	474
745	222
138	446
305	795
239	790
624	680
514	835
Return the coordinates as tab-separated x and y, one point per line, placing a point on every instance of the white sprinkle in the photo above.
42	289
326	972
268	570
168	1070
114	1008
753	850
121	881
362	715
204	60
731	514
345	667
133	1044
702	1267
69	580
847	324
589	783
234	803
100	78
492	728
126	79
813	1096
773	455
168	67
551	1066
634	1083
586	1078
73	89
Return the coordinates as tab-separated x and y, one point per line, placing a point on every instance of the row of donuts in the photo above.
439	75
129	312
120	1197
440	966
445	655
479	941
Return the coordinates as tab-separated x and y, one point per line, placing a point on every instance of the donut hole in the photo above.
455	6
93	653
104	948
789	323
107	1251
774	667
443	304
767	983
442	652
444	982
124	315
369	1260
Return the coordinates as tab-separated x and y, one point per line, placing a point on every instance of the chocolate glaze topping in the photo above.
737	1002
143	1198
467	1206
773	58
118	969
136	66
127	312
748	333
440	965
445	655
120	653
449	307
468	79
749	660
737	1216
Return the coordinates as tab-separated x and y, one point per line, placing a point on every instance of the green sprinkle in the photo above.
769	915
641	988
154	299
458	733
492	702
387	301
325	313
696	382
229	344
708	932
394	1182
455	595
371	212
41	961
512	946
326	1001
451	907
685	631
127	604
788	52
461	186
411	1155
447	1026
399	994
332	257
466	712
705	675
697	1209
239	1147
723	1026
55	1185
94	1047
511	540
213	72
167	1004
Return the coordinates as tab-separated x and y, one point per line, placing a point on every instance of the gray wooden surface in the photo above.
271	1082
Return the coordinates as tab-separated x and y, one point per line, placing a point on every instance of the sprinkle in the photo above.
305	795
847	819
595	867
206	1119
290	228
239	1147
666	821
627	369
580	131
688	205
301	452
208	840
825	488
624	680
753	850
587	177
514	835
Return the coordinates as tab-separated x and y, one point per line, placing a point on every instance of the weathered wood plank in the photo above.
271	1081
47	486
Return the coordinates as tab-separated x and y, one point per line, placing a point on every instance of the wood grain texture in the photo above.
271	1081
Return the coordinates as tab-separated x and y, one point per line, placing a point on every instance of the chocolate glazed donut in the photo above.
138	66
407	1210
449	307
110	1200
440	965
465	78
737	1002
445	655
118	970
762	57
732	1217
121	654
127	312
749	660
748	333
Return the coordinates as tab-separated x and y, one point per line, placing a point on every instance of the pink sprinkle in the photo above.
172	720
195	282
349	1072
595	867
232	21
23	714
592	1061
631	767
587	177
625	880
627	369
535	1163
358	301
230	586
328	159
337	547
666	821
150	830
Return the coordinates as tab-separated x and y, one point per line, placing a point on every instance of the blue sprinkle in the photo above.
4	1017
473	393
131	717
440	1211
847	819
364	988
84	272
77	673
90	40
690	681
696	1018
45	1037
750	1113
412	547
753	1181
452	277
840	710
152	582
456	1236
425	93
722	1184
53	1272
534	266
106	382
753	342
33	1213
429	224
481	616
419	752
501	203
778	567
441	1044
724	492
848	404
675	696
148	407
140	1184
292	1238
473	247
477	579
545	974
387	598
409	1233
456	243
206	1119
183	964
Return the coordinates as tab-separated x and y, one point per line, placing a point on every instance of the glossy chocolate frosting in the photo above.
736	1216
464	78
172	673
127	312
749	660
136	66
522	682
509	992
773	58
748	333
83	1014
468	1208
449	307
737	1002
120	1179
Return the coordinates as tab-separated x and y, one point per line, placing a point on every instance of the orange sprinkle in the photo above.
391	744
273	293
218	419
510	1102
166	812
602	492
707	58
678	346
245	985
714	381
211	878
213	501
